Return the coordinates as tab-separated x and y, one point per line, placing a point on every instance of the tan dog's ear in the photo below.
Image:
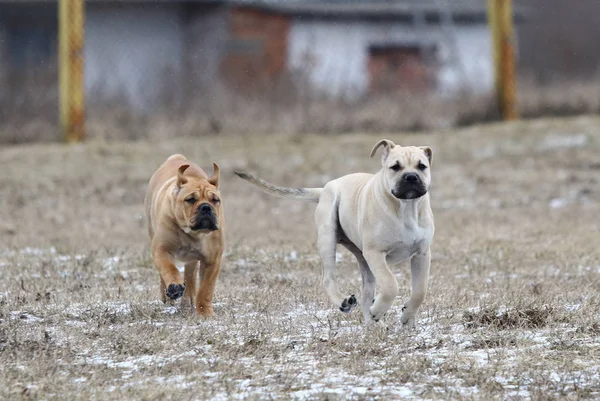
387	145
214	180
428	152
181	180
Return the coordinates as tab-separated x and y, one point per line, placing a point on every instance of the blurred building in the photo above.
138	48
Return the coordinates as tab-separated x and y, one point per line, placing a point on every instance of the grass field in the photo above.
513	310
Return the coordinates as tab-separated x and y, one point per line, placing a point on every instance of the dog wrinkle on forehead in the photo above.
209	193
406	154
191	192
200	191
415	159
411	161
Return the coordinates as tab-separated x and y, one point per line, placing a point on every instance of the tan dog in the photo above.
186	223
383	219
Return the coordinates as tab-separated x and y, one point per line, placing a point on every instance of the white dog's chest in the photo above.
408	243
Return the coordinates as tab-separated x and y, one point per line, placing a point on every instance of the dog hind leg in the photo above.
189	280
328	238
368	280
209	272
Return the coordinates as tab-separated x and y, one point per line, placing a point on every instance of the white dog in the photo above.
383	219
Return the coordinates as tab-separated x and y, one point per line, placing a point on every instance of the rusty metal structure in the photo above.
500	18
70	61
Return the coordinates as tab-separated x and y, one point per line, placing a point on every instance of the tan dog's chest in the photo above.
187	253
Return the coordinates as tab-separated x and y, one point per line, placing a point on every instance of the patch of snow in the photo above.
558	203
132	364
572	307
554	377
110	263
24	316
67	258
563	141
292	257
38	251
78	310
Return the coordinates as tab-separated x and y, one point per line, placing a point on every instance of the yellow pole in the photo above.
501	27
63	67
70	64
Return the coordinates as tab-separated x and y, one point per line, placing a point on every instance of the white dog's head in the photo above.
405	169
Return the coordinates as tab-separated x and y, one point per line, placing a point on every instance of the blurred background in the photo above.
185	68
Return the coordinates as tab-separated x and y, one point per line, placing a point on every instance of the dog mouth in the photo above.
205	224
408	192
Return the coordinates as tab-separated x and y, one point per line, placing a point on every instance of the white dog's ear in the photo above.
181	180
214	180
387	145
428	152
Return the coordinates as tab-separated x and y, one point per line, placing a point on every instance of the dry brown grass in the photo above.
29	110
512	313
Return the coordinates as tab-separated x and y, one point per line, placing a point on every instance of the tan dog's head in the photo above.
196	201
405	169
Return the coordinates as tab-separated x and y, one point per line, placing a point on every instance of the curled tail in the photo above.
308	194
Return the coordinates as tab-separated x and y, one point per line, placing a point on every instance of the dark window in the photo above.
28	46
395	67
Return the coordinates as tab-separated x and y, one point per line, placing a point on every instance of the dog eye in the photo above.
396	167
191	200
421	166
215	201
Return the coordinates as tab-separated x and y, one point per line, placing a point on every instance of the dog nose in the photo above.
411	177
205	208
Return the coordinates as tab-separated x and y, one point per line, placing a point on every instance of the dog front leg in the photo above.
386	281
419	271
209	272
171	281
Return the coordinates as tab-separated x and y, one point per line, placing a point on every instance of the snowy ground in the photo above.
512	313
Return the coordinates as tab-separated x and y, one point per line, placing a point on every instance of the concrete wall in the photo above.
335	54
206	39
133	50
467	60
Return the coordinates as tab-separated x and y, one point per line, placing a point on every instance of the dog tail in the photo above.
307	194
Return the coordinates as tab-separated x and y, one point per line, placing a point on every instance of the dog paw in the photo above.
348	304
175	291
378	309
408	319
408	322
205	311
